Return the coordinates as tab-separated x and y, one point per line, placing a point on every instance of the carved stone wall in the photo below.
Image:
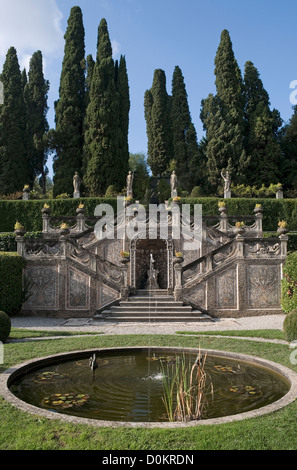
77	290
263	286
44	287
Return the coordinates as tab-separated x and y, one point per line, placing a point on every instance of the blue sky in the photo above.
162	34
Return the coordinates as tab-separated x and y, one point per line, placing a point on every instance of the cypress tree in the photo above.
288	142
102	118
185	145
122	84
225	148
70	108
13	158
157	105
35	95
261	130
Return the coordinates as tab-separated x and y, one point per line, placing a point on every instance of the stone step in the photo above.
158	308
151	293
138	314
155	319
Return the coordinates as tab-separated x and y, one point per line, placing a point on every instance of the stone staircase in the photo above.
151	306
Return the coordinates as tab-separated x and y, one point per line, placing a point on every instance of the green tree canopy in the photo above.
14	172
70	108
35	95
157	104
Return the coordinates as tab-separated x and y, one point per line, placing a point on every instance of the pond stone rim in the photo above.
8	376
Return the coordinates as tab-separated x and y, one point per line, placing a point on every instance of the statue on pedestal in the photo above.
173	184
152	274
76	185
130	179
227	185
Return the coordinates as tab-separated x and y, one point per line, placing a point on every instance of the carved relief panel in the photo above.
263	286
78	290
43	281
226	289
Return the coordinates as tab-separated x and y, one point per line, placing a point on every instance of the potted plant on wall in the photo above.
125	257
19	229
178	257
282	227
239	228
64	229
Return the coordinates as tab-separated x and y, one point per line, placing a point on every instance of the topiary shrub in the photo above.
11	285
290	326
289	283
5	326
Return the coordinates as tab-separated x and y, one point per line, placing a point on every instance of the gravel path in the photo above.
88	325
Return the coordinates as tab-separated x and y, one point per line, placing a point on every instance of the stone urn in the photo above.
178	259
258	210
80	211
46	210
282	230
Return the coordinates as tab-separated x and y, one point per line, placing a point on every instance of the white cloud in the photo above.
116	48
30	25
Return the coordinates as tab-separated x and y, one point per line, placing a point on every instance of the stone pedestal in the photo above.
279	194
227	194
76	195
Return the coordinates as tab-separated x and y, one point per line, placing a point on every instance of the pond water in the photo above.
128	385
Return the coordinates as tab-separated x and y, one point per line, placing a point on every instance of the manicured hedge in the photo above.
274	210
11	291
8	241
28	213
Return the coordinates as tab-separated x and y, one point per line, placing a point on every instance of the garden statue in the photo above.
227	185
130	179
173	184
76	185
152	282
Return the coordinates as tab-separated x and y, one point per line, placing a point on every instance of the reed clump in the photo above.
186	390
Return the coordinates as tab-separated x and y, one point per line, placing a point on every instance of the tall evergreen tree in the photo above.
288	142
13	158
225	148
261	130
157	105
35	95
122	85
185	145
102	119
70	108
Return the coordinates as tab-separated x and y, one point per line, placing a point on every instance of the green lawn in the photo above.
22	431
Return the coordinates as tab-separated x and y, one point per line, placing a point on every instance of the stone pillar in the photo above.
223	219
284	245
227	194
125	291
45	221
258	211
20	245
80	218
239	240
178	289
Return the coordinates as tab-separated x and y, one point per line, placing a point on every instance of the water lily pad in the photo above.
68	400
168	359
49	376
223	369
242	391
